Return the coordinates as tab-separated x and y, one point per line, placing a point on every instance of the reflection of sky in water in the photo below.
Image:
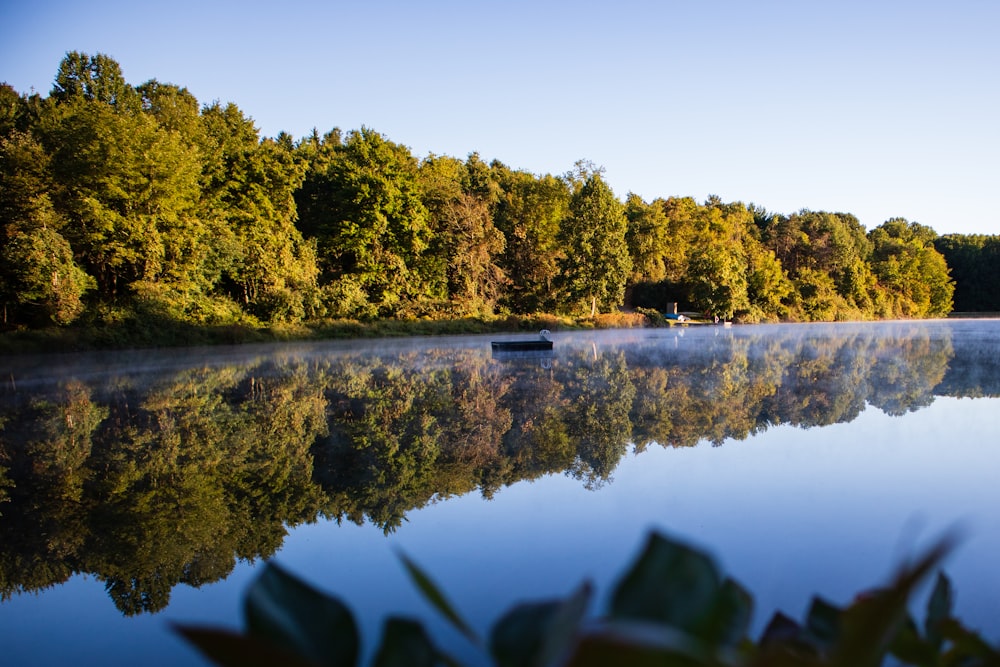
788	513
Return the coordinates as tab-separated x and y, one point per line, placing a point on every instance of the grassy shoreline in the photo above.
157	332
165	333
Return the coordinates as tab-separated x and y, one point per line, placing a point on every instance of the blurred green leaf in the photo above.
537	634
671	584
823	623
668	609
910	647
229	649
638	644
405	644
294	616
780	630
871	623
939	608
729	621
437	599
965	645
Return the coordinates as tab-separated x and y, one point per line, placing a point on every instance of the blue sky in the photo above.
878	108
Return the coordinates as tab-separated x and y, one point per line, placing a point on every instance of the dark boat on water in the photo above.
541	343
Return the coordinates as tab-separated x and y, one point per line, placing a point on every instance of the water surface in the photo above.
143	488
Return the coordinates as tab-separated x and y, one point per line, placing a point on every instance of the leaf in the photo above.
230	649
638	644
785	643
294	616
966	644
536	634
780	630
939	608
404	644
823	623
433	594
729	621
909	647
669	584
870	625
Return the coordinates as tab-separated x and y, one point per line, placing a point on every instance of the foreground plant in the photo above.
671	607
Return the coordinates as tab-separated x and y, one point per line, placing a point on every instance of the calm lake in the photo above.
140	489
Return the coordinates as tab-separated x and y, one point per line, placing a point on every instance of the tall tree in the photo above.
39	278
12	110
810	244
769	290
529	213
911	269
369	221
465	241
596	265
123	183
717	261
272	268
174	108
648	239
95	78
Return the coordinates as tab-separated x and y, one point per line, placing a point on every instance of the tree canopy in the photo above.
121	201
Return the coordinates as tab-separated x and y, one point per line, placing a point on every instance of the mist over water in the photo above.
142	486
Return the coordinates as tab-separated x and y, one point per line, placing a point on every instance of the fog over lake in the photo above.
142	488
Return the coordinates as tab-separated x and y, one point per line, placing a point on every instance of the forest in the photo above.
123	202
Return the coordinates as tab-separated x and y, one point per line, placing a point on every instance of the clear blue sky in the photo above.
877	108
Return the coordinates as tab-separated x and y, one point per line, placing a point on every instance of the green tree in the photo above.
369	221
12	110
911	270
717	262
529	213
41	275
251	183
96	78
39	278
812	244
465	242
974	261
174	108
769	290
684	222
648	239
596	266
125	187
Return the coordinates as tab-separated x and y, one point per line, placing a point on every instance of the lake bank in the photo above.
163	333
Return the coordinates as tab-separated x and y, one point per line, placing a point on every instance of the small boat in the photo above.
541	343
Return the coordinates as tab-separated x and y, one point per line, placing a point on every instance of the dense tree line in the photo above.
122	201
974	260
146	481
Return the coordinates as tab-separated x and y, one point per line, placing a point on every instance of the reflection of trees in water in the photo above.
148	486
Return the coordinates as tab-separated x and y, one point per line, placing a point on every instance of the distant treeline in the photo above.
121	202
